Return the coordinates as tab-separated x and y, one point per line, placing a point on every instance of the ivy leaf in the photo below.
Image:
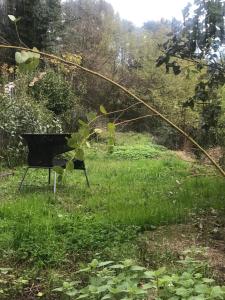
103	110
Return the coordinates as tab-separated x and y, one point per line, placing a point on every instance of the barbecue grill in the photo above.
43	150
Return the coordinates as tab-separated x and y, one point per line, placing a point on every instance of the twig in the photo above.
135	119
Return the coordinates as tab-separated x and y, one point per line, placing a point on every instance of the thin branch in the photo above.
113	112
135	119
152	109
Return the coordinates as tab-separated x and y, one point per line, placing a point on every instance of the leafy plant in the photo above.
136	152
126	280
55	92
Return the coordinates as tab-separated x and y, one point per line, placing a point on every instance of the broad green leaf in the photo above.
108	296
18	19
98	130
88	144
208	280
81	122
79	154
160	271
201	288
32	64
119	266
183	292
105	263
91	116
217	292
137	268
12	18
83	270
21	57
149	274
60	178
72	293
36	54
58	170
84	132
74	140
69	165
147	286
83	296
111	127
60	289
103	110
128	262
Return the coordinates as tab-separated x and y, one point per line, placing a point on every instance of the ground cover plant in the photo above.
46	237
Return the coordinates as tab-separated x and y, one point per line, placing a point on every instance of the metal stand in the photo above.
85	173
49	178
54	187
24	175
49	175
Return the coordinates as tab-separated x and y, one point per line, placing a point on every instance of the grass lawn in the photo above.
139	187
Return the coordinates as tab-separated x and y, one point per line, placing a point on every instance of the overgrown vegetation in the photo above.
51	236
138	185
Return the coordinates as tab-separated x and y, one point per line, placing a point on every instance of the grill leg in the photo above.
85	173
54	188
24	175
49	176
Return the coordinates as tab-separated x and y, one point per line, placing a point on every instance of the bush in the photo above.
55	92
18	115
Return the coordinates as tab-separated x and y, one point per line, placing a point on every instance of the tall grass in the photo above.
127	194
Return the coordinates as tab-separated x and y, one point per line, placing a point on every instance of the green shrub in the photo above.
55	92
21	114
137	152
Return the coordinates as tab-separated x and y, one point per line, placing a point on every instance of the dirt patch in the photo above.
167	243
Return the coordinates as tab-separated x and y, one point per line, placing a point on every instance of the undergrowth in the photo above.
137	188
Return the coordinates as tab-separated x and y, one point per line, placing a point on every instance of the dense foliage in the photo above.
201	41
39	24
